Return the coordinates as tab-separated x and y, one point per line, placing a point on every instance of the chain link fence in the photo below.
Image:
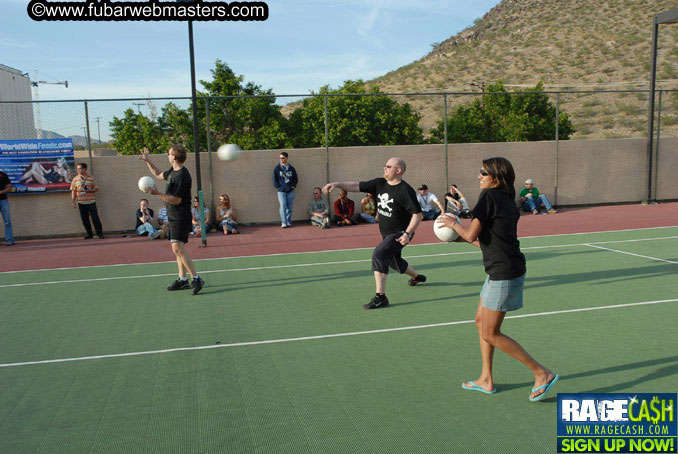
606	152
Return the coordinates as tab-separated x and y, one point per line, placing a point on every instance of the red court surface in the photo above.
263	240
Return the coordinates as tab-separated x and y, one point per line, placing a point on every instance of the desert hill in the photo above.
569	45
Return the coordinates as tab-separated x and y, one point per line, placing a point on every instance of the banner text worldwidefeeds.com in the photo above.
152	10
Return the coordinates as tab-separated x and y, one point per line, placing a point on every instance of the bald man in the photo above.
399	217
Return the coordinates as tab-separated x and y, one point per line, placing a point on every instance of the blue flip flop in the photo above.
475	387
548	387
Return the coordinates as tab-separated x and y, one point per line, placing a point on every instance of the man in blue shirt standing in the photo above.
285	180
5	188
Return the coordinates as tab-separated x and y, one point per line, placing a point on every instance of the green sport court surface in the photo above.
277	355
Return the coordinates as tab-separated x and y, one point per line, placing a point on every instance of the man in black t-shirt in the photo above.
399	216
178	199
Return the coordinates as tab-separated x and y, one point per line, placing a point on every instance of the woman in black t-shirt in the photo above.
494	230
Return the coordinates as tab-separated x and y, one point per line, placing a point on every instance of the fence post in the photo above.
650	108
555	190
89	140
327	146
656	152
209	151
447	170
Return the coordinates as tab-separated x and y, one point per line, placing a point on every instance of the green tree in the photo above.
243	114
177	124
354	120
503	117
134	131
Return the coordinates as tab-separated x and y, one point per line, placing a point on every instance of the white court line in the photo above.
300	265
315	252
631	253
323	336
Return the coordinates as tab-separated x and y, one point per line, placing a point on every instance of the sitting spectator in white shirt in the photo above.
426	201
163	225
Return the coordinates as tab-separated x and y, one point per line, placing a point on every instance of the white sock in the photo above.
183	278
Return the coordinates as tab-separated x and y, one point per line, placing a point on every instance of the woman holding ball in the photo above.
494	230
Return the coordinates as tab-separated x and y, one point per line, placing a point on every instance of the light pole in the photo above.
196	141
98	127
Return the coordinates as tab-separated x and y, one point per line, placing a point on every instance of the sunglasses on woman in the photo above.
483	172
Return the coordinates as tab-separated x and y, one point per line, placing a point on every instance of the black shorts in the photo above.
179	230
389	254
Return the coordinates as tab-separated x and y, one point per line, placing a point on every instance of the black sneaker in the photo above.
88	237
416	280
179	285
197	284
377	303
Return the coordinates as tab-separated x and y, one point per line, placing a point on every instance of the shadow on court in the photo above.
602	277
365	273
666	370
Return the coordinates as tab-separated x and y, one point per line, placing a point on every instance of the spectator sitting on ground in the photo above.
163	225
195	212
226	217
344	210
369	208
318	210
530	199
426	200
456	203
144	220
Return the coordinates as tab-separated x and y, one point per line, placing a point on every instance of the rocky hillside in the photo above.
569	45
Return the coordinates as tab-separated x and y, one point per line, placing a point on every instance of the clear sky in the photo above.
303	45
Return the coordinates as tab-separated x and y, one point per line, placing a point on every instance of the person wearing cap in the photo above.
530	199
426	201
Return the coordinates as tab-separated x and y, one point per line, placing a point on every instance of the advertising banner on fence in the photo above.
617	422
38	165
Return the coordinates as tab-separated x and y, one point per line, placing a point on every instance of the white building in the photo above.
16	118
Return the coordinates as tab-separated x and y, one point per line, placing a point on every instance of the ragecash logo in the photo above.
617	422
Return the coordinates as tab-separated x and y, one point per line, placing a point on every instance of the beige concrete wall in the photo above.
530	160
596	171
602	171
249	182
667	169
